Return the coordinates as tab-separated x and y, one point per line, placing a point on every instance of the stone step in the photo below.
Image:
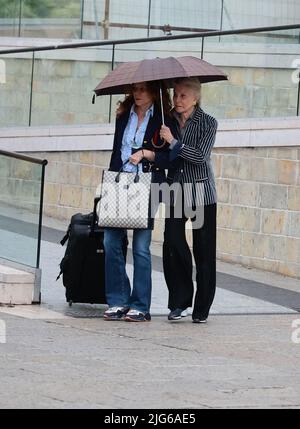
12	275
16	286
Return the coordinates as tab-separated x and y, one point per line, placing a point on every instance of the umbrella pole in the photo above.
162	106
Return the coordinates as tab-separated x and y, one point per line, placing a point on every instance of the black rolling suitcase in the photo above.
82	267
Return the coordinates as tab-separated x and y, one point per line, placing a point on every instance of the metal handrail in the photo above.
23	157
38	253
150	39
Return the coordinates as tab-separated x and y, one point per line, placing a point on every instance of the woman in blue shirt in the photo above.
138	123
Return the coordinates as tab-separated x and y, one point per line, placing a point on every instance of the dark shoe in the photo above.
115	313
137	316
199	320
177	314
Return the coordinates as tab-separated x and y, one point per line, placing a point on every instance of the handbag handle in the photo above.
137	177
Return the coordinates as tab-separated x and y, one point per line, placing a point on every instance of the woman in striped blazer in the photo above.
191	138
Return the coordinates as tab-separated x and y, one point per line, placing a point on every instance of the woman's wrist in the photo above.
173	143
148	154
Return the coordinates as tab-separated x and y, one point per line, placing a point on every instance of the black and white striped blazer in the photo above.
190	158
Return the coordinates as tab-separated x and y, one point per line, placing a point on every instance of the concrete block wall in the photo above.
251	92
19	178
259	207
258	201
257	169
63	89
62	92
71	181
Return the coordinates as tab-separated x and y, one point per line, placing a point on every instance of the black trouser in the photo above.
178	266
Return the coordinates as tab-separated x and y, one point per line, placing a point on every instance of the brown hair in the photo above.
153	88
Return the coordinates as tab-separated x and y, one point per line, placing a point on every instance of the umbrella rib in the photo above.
184	71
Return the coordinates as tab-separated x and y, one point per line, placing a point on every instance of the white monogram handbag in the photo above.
125	200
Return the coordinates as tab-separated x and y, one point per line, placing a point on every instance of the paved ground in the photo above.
246	356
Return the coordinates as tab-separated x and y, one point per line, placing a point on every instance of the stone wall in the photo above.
71	181
258	201
62	93
257	169
259	81
251	93
259	207
20	178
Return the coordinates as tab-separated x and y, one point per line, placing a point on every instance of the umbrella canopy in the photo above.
119	79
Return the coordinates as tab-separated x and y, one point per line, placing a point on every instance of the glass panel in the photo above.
260	81
51	18
95	17
141	18
64	81
20	188
9	17
177	17
257	13
162	49
15	87
113	20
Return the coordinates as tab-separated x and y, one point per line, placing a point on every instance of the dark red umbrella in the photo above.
118	81
125	74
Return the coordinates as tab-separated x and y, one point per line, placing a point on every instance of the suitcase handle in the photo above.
94	222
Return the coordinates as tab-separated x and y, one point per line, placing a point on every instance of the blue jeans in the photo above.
117	284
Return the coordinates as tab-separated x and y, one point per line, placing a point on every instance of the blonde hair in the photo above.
192	83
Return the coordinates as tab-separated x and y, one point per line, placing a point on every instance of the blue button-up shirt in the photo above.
133	137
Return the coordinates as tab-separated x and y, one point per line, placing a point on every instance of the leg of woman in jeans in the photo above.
117	286
141	290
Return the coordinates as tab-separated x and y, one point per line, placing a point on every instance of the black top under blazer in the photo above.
152	142
190	158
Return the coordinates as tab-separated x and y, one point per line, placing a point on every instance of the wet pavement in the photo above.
246	356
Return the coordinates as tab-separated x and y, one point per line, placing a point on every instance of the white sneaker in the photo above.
115	313
111	310
184	313
133	312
